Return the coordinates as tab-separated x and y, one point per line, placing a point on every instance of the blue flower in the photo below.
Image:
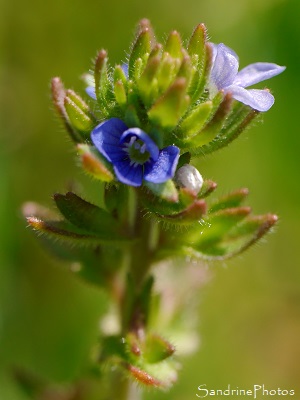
225	76
134	154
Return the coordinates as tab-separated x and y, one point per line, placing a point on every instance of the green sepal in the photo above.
231	200
186	69
184	158
120	93
102	83
173	45
215	226
119	75
94	163
242	117
147	84
170	107
87	216
195	120
166	191
131	117
207	188
111	347
238	239
79	119
141	49
156	349
201	76
167	72
212	129
192	214
196	45
58	95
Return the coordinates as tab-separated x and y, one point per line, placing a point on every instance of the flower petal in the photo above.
129	174
125	69
106	137
165	166
90	90
151	146
257	72
225	66
261	100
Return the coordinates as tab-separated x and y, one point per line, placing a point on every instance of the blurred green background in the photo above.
250	309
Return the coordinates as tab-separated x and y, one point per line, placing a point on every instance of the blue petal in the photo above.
260	100
125	69
129	174
106	138
165	166
257	72
90	90
225	66
151	146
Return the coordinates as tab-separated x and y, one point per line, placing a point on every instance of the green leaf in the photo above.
170	107
215	227
207	188
238	239
87	216
141	49
201	76
58	95
174	45
233	199
64	231
237	124
120	93
102	83
192	214
156	349
196	120
213	128
79	119
196	45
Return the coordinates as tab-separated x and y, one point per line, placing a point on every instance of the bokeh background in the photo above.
250	308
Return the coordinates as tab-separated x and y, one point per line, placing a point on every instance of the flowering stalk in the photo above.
154	116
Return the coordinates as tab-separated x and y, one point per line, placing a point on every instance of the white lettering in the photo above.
203	391
256	389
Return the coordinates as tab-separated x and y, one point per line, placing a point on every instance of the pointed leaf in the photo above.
196	120
233	199
141	49
216	226
156	349
58	96
213	128
79	120
174	45
196	45
64	231
230	132
207	188
87	216
169	108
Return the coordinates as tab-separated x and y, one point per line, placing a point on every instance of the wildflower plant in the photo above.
142	128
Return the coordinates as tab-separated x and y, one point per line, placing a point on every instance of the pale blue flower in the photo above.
225	76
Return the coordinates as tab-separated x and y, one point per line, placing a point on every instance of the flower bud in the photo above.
189	177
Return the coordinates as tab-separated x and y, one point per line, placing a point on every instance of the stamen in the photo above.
143	148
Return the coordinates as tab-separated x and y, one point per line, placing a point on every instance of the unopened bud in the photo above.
190	178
